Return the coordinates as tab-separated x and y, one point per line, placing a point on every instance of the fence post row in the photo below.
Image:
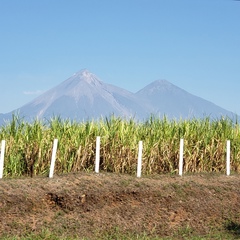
97	161
2	152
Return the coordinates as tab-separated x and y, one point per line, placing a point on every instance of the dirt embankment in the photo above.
90	205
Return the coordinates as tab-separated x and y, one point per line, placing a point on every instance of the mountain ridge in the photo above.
166	97
84	96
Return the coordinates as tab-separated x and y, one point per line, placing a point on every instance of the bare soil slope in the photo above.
95	205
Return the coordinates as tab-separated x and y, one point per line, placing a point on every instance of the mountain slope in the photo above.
84	97
168	99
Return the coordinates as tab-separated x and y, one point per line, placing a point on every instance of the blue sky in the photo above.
129	43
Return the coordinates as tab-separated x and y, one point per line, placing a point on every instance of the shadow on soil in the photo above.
234	228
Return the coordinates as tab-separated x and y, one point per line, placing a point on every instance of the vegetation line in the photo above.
29	145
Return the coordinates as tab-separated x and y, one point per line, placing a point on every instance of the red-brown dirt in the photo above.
90	205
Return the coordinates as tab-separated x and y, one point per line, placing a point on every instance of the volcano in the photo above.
84	96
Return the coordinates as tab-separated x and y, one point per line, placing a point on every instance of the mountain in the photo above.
84	97
81	97
166	98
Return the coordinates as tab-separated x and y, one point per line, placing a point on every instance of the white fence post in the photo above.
2	158
54	151
97	161
139	165
181	158
228	158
